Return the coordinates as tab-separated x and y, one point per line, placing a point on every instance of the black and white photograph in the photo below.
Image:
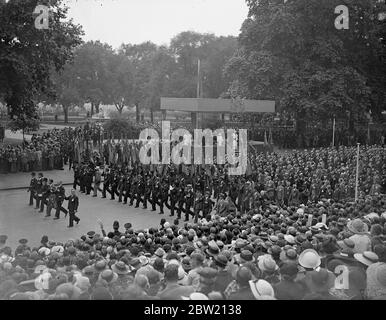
207	151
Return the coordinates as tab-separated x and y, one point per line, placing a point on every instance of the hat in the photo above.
267	264
309	259
143	260
261	289
43	251
346	243
240	243
127	225
160	252
196	296
3	238
213	248
88	271
120	268
357	226
288	255
100	265
91	233
57	249
367	257
23	241
289	238
221	260
246	256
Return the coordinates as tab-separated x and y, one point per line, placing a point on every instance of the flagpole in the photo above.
333	133
357	175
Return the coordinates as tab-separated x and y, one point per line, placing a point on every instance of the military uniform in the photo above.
32	189
189	200
60	195
173	192
147	195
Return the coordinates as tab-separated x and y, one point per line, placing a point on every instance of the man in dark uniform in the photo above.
164	195
207	205
73	205
173	192
133	189
198	205
149	186
126	187
140	190
76	176
155	194
45	193
60	196
113	183
89	178
82	179
39	186
32	188
121	186
106	182
180	199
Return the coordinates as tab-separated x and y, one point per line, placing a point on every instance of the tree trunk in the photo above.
151	116
119	107
137	112
65	110
92	109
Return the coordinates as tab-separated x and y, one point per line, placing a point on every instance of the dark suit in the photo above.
73	204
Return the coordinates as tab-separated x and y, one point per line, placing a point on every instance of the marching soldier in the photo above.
76	176
121	186
173	192
51	199
127	187
140	190
164	195
148	188
45	193
181	199
198	205
155	193
39	185
60	195
189	200
32	188
207	205
106	181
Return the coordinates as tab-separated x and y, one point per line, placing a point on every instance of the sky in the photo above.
137	21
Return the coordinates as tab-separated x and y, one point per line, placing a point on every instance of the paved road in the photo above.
19	220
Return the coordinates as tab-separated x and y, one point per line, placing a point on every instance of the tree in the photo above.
292	53
140	56
66	89
92	73
121	81
22	122
27	55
